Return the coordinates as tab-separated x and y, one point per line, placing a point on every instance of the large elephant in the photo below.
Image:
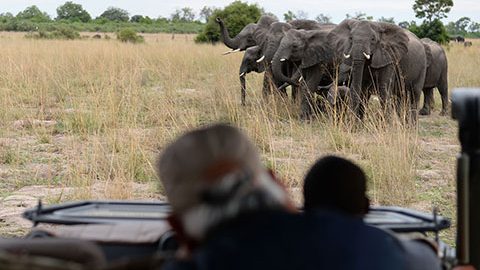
251	35
437	76
384	59
312	53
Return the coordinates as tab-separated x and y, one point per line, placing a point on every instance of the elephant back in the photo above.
428	53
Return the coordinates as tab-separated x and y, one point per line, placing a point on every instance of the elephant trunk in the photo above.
356	84
270	50
277	68
232	43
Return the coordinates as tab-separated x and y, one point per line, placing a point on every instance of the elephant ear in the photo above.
316	50
393	45
339	37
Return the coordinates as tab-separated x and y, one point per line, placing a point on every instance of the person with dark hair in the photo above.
335	184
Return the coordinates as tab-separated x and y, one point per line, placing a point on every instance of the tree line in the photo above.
236	15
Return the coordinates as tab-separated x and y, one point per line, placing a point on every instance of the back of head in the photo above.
213	174
337	184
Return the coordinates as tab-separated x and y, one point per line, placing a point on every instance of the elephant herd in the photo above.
349	62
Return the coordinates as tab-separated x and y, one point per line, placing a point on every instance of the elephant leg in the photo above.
307	102
385	77
266	84
443	89
243	89
415	95
427	101
295	92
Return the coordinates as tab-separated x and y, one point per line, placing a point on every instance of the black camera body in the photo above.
466	110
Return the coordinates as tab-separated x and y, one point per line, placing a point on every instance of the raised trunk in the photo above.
232	43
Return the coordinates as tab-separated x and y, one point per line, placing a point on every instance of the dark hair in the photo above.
338	184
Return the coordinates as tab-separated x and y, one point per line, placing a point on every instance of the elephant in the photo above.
384	59
436	76
249	64
267	34
467	44
458	39
310	50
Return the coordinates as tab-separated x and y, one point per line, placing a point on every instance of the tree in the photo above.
387	20
206	12
432	9
301	15
185	14
474	27
321	18
6	17
115	14
359	16
33	13
72	12
289	16
137	18
434	30
236	16
405	24
461	25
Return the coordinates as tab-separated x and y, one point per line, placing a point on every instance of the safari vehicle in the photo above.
126	230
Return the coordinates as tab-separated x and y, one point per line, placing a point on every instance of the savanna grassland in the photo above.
86	119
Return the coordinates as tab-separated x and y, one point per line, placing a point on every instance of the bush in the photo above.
61	32
236	16
434	30
129	35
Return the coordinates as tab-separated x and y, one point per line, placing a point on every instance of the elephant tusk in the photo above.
242	74
300	79
261	59
283	60
367	56
231	51
346	56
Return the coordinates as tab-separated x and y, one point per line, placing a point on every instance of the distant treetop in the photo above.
115	14
72	12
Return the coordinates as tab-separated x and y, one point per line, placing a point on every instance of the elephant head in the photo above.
252	34
365	43
305	48
272	40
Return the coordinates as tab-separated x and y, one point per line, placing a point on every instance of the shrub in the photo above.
61	32
129	35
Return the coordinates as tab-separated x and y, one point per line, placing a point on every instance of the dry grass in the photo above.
94	114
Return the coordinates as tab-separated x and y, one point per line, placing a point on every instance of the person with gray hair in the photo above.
219	189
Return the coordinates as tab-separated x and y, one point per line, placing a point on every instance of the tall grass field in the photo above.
86	119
